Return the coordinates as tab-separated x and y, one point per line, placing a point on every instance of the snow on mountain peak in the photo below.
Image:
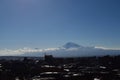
71	45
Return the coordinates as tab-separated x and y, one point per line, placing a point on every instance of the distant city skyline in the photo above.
52	23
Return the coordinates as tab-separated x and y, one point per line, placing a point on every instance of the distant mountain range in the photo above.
71	49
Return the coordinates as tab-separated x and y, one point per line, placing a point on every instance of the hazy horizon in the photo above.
69	49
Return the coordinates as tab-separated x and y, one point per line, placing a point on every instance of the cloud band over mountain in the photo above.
68	50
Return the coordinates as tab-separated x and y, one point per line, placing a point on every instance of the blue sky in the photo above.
51	23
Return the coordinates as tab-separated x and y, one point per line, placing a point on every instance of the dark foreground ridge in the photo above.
50	68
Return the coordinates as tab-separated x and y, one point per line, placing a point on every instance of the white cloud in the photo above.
100	47
62	52
11	52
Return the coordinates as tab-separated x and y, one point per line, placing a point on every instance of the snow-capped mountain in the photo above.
70	49
71	45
